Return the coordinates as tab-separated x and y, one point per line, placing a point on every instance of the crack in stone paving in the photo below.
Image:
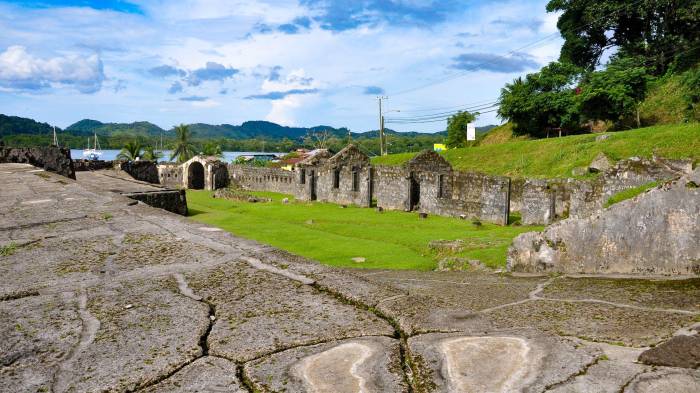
624	387
398	332
622	305
90	325
572	377
532	295
203	343
18	295
36	224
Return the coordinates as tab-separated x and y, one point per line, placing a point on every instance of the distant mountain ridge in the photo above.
13	125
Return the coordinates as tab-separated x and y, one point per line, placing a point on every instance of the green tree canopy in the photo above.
614	93
130	152
661	31
457	128
184	149
541	101
212	149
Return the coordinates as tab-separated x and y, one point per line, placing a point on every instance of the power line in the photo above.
443	114
450	107
429	121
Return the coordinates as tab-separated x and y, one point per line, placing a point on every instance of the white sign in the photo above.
471	132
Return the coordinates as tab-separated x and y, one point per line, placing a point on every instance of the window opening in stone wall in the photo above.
302	176
441	186
355	180
336	178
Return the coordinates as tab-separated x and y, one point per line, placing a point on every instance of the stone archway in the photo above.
195	176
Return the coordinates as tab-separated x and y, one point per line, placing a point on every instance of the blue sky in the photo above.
294	62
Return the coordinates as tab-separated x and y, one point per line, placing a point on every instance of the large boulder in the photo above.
600	163
657	232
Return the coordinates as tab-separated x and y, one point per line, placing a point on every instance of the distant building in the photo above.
439	147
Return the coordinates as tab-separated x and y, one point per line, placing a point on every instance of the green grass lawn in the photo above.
556	157
334	235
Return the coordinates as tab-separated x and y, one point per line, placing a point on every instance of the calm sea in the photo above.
109	155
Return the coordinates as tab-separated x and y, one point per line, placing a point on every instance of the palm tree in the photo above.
130	152
150	154
211	149
184	150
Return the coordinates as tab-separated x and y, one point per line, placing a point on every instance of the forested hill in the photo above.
12	125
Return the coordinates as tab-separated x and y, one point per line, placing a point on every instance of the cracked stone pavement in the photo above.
101	294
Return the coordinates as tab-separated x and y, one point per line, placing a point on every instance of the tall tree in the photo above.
661	31
184	149
457	128
542	101
130	152
614	93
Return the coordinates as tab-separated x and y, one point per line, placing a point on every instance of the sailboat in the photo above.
95	153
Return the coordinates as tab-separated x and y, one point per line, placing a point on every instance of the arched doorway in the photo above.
195	176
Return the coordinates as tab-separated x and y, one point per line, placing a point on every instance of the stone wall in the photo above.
171	200
657	232
426	183
170	175
141	170
264	179
479	196
391	187
345	178
537	202
587	197
544	201
92	165
442	191
51	158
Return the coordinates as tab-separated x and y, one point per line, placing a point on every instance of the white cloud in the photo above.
21	71
189	34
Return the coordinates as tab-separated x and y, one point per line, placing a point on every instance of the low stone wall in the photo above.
587	197
141	170
476	195
170	175
92	165
171	200
263	179
51	158
544	201
657	232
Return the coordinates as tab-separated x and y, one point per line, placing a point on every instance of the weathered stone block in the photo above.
657	232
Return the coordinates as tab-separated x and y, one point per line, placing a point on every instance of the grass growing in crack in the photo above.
629	193
8	249
334	236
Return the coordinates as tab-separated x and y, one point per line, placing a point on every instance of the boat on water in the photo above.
93	153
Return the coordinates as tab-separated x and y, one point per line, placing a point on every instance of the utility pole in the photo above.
55	140
382	150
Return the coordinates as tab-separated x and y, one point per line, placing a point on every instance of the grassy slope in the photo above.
391	240
556	157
